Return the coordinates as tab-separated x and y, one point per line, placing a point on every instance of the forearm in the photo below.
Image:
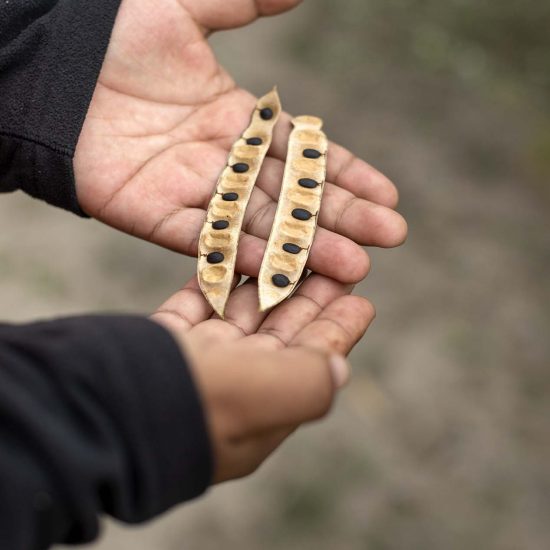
51	53
97	415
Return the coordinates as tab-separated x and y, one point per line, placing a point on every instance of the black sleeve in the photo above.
97	415
51	52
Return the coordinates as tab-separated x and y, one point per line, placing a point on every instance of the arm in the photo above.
101	415
97	415
51	52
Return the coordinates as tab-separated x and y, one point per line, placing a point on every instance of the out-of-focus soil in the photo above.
441	440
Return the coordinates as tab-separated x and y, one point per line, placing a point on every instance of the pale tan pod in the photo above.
286	229
215	278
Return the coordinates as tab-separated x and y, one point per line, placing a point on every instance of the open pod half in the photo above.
295	221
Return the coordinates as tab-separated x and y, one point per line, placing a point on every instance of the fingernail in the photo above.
340	370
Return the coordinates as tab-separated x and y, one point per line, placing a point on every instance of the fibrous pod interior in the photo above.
220	234
296	217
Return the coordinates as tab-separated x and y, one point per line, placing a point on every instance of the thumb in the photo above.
287	387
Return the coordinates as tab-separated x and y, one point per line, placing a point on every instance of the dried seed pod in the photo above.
296	217
220	234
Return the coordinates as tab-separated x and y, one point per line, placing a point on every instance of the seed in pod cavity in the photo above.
266	113
240	167
254	141
308	183
301	214
220	224
292	248
280	280
215	258
230	197
312	154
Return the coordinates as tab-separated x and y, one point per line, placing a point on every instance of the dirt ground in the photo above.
441	441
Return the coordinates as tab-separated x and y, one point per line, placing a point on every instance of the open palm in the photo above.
275	373
160	125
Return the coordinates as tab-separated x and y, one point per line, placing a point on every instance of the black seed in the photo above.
266	113
301	214
280	280
215	258
308	182
220	224
292	248
240	167
230	196
312	154
254	141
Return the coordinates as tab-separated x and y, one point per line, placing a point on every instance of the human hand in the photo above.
159	128
261	375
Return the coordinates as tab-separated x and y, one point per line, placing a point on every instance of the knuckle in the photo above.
337	339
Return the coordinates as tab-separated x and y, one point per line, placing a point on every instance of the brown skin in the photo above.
261	375
160	125
159	129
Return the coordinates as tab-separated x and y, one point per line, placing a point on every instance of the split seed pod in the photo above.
219	237
296	217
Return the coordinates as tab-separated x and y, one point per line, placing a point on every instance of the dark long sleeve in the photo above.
51	52
97	414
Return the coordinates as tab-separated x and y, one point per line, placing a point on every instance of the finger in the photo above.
219	14
343	212
186	308
338	327
331	255
290	317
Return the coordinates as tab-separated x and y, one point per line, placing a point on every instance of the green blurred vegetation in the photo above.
436	52
477	40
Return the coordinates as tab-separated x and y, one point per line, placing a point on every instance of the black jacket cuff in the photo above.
51	53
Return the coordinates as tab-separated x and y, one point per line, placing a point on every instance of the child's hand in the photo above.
159	129
262	375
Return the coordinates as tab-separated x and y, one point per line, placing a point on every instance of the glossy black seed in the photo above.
312	153
266	113
280	280
220	224
254	141
301	214
230	196
240	167
215	258
292	248
308	183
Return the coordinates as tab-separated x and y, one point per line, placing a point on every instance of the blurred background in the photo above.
442	440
